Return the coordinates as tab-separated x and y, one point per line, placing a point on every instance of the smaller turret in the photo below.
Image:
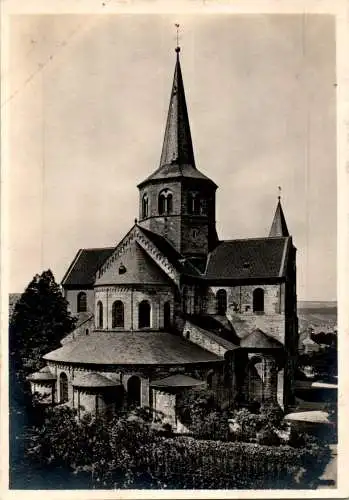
279	226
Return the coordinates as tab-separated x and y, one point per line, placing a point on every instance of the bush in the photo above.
248	424
195	402
214	425
200	412
272	414
268	436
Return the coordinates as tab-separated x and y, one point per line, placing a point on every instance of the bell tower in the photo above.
177	201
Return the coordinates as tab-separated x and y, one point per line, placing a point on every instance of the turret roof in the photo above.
279	226
177	156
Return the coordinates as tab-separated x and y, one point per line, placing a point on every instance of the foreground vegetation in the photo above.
131	451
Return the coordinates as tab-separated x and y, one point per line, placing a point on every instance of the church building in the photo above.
172	307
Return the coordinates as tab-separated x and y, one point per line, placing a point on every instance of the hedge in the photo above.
188	463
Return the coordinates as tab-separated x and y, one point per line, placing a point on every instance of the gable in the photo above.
257	339
136	234
133	266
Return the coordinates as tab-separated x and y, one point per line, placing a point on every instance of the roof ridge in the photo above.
253	239
70	268
98	248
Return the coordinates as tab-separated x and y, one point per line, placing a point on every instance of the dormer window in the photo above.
165	202
145	206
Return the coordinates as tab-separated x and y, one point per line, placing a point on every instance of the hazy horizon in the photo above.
87	111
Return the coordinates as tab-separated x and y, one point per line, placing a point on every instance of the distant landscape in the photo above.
317	314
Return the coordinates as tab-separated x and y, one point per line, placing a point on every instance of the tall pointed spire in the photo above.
177	146
279	226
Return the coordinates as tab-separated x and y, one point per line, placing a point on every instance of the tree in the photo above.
39	321
202	414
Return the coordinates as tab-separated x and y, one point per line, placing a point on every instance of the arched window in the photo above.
258	300
134	391
145	206
167	315
82	302
169	203
193	203
144	314
161	204
221	301
63	387
209	379
165	204
203	206
99	314
117	314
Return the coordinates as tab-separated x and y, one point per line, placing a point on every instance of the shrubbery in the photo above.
190	463
263	427
200	412
128	453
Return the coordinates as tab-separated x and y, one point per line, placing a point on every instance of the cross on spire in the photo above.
177	38
279	191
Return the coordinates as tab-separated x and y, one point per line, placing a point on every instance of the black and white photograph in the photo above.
171	199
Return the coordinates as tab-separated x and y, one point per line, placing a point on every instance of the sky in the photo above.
86	109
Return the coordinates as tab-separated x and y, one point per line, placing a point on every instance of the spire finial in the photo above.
177	49
279	191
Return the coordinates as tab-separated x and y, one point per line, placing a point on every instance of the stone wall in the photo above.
165	403
188	233
84	401
240	309
72	297
122	374
83	329
46	391
169	227
203	339
131	296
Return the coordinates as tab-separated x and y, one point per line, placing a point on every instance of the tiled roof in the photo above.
259	340
179	380
249	258
83	317
43	375
216	329
128	348
85	265
93	380
174	171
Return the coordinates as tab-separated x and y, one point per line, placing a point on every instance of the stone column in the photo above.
280	388
270	379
